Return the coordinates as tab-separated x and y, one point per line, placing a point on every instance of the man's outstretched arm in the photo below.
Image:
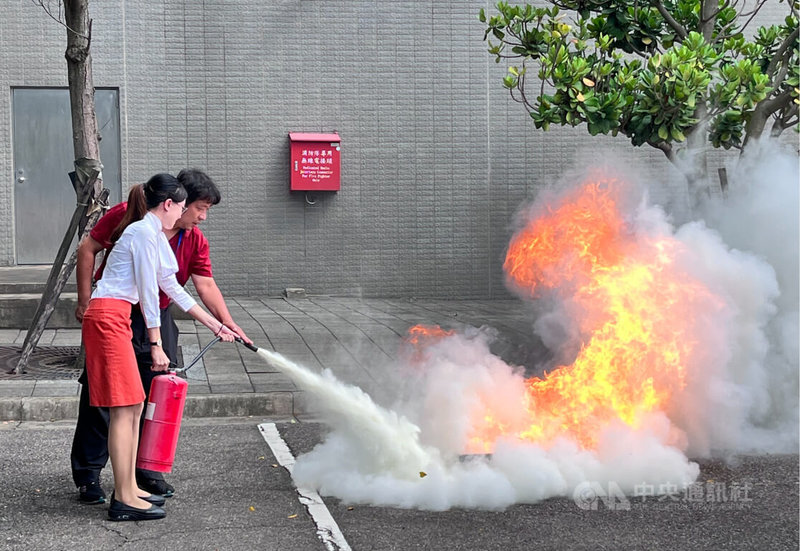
213	300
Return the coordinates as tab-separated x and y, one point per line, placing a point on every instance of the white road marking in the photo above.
327	529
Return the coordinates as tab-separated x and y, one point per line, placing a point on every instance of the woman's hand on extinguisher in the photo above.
225	333
160	359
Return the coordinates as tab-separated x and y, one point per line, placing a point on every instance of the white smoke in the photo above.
460	371
741	393
760	218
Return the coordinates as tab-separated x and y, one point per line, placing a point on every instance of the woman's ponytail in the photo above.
137	208
143	197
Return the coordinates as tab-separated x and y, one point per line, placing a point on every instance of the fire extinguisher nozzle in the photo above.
252	347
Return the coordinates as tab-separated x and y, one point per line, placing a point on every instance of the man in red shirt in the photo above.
90	443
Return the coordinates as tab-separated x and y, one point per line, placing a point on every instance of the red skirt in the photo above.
111	368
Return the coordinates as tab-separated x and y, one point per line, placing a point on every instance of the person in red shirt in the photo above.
90	444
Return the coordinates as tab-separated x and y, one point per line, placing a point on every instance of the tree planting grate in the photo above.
46	362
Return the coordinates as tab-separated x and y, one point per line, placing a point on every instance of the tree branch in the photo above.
758	118
722	7
778	102
49	11
666	148
707	18
677	27
779	54
758	6
784	121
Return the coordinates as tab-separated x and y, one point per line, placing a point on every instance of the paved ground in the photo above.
352	337
231	494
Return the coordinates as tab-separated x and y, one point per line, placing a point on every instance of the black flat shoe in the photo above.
158	501
118	512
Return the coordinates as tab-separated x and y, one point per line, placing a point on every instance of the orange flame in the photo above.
421	335
419	338
635	320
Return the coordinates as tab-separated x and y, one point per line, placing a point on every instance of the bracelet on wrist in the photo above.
221	327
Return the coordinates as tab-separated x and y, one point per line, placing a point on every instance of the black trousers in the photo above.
90	443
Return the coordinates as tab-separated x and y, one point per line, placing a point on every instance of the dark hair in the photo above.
161	187
143	197
199	186
135	211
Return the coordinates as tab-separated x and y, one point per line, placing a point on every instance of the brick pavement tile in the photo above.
268	382
186	326
256	364
47	337
231	388
216	366
197	373
233	378
67	337
13	389
9	336
189	351
56	388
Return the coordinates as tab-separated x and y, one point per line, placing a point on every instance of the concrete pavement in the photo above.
352	337
232	494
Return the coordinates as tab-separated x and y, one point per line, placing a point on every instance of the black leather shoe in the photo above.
156	500
118	512
91	493
155	486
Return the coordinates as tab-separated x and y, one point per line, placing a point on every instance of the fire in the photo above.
421	335
634	308
419	338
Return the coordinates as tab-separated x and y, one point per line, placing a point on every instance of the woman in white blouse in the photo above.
140	262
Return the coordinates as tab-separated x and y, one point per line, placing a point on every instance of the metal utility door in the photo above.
43	158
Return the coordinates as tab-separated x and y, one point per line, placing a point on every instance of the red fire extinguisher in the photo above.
162	423
162	420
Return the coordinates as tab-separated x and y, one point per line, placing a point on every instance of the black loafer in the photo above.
158	501
119	512
155	486
91	493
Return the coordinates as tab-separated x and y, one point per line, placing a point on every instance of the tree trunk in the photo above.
81	84
696	158
87	178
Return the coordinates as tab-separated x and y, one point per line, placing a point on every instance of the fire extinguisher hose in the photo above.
205	349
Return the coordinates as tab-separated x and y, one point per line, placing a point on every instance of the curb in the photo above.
281	404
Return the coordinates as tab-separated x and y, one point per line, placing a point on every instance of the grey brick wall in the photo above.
436	159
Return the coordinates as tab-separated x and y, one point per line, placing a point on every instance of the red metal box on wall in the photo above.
315	161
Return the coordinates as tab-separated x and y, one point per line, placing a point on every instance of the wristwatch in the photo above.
157	343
